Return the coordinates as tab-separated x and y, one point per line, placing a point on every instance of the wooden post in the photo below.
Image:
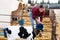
53	21
54	30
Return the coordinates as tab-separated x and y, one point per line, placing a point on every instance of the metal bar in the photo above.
15	15
4	22
25	21
4	15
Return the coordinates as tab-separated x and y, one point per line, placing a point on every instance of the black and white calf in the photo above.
19	33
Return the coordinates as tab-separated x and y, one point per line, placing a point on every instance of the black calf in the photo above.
35	32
